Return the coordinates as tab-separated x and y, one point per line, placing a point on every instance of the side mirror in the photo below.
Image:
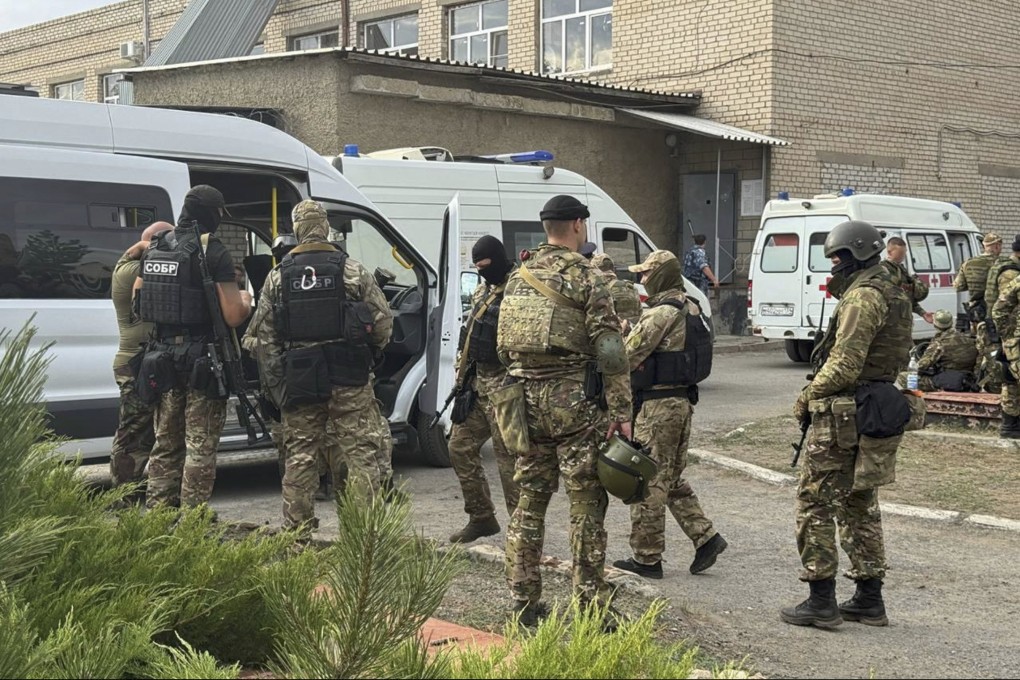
468	282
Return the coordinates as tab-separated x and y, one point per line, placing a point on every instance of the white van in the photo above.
497	196
789	271
78	183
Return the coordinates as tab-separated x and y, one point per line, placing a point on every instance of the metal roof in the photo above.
213	29
704	127
686	99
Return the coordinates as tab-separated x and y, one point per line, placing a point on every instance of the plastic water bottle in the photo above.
912	374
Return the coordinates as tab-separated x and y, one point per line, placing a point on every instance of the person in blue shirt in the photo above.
696	267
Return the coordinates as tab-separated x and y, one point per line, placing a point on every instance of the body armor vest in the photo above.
483	334
684	367
172	297
890	349
537	321
312	284
626	300
996	285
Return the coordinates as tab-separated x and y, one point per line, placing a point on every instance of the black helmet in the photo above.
862	239
625	469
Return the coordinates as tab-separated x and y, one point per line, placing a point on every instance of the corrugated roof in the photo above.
689	98
707	128
213	29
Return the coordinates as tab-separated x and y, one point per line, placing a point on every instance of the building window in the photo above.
398	35
577	35
74	90
111	88
314	41
260	48
478	33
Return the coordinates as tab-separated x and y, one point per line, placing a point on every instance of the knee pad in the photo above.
534	502
592	502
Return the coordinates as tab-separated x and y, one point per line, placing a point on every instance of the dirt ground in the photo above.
478	598
949	475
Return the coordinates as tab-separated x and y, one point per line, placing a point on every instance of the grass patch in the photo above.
946	474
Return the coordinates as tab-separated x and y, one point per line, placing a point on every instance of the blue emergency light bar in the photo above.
523	157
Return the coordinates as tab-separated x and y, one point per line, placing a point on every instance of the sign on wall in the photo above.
751	197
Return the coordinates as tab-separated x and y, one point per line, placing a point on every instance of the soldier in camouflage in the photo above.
322	314
479	373
625	295
1004	316
973	278
868	340
557	324
664	425
135	428
949	350
915	288
992	374
191	412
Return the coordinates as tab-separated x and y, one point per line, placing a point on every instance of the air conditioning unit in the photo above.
132	50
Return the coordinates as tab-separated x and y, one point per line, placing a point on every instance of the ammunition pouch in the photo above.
306	376
357	322
348	365
918	411
462	405
511	413
202	379
156	375
594	385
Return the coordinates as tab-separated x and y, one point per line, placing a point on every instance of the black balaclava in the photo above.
491	248
196	210
844	273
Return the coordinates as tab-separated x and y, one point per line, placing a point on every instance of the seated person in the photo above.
948	362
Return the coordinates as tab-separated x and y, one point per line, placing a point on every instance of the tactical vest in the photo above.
172	295
313	290
889	350
685	367
995	285
482	347
975	271
626	300
542	320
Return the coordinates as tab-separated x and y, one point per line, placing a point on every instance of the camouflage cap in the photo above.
310	220
655	259
943	320
603	262
991	238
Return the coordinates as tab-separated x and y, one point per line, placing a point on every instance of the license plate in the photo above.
776	310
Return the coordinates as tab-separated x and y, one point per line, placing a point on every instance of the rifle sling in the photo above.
555	296
462	364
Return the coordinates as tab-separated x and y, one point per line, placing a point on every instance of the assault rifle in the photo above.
225	356
458	389
805	424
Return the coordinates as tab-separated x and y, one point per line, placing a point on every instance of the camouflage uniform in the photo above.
1000	274
547	345
467	438
915	288
135	428
949	350
1004	314
665	426
360	430
868	340
992	371
178	474
625	295
973	277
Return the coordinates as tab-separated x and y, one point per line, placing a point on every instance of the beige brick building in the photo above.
895	96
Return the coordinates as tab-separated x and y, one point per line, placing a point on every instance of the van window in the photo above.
518	236
365	244
817	262
60	239
625	248
929	252
780	253
959	247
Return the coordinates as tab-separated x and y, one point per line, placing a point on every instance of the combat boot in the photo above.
818	610
635	567
323	493
475	529
706	554
528	613
866	606
1010	428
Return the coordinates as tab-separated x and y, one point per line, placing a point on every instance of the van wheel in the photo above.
432	442
799	351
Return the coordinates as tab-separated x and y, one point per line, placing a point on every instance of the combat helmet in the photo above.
625	469
863	240
943	320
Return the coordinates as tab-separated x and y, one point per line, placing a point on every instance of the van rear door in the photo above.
931	260
817	270
777	273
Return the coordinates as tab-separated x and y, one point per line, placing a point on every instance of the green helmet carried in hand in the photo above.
625	469
943	320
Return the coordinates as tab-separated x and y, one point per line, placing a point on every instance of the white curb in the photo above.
756	471
970	438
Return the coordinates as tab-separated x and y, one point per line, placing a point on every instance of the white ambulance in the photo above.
499	195
786	287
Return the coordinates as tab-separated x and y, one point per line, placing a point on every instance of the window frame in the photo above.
796	253
55	89
318	35
925	236
103	80
487	32
392	21
562	19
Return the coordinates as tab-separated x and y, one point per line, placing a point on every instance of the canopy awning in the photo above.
704	127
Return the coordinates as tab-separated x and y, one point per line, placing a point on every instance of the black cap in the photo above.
587	249
563	208
1016	243
207	196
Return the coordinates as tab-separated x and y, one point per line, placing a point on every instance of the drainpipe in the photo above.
345	27
145	30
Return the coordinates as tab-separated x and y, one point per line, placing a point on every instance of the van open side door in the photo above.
444	320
